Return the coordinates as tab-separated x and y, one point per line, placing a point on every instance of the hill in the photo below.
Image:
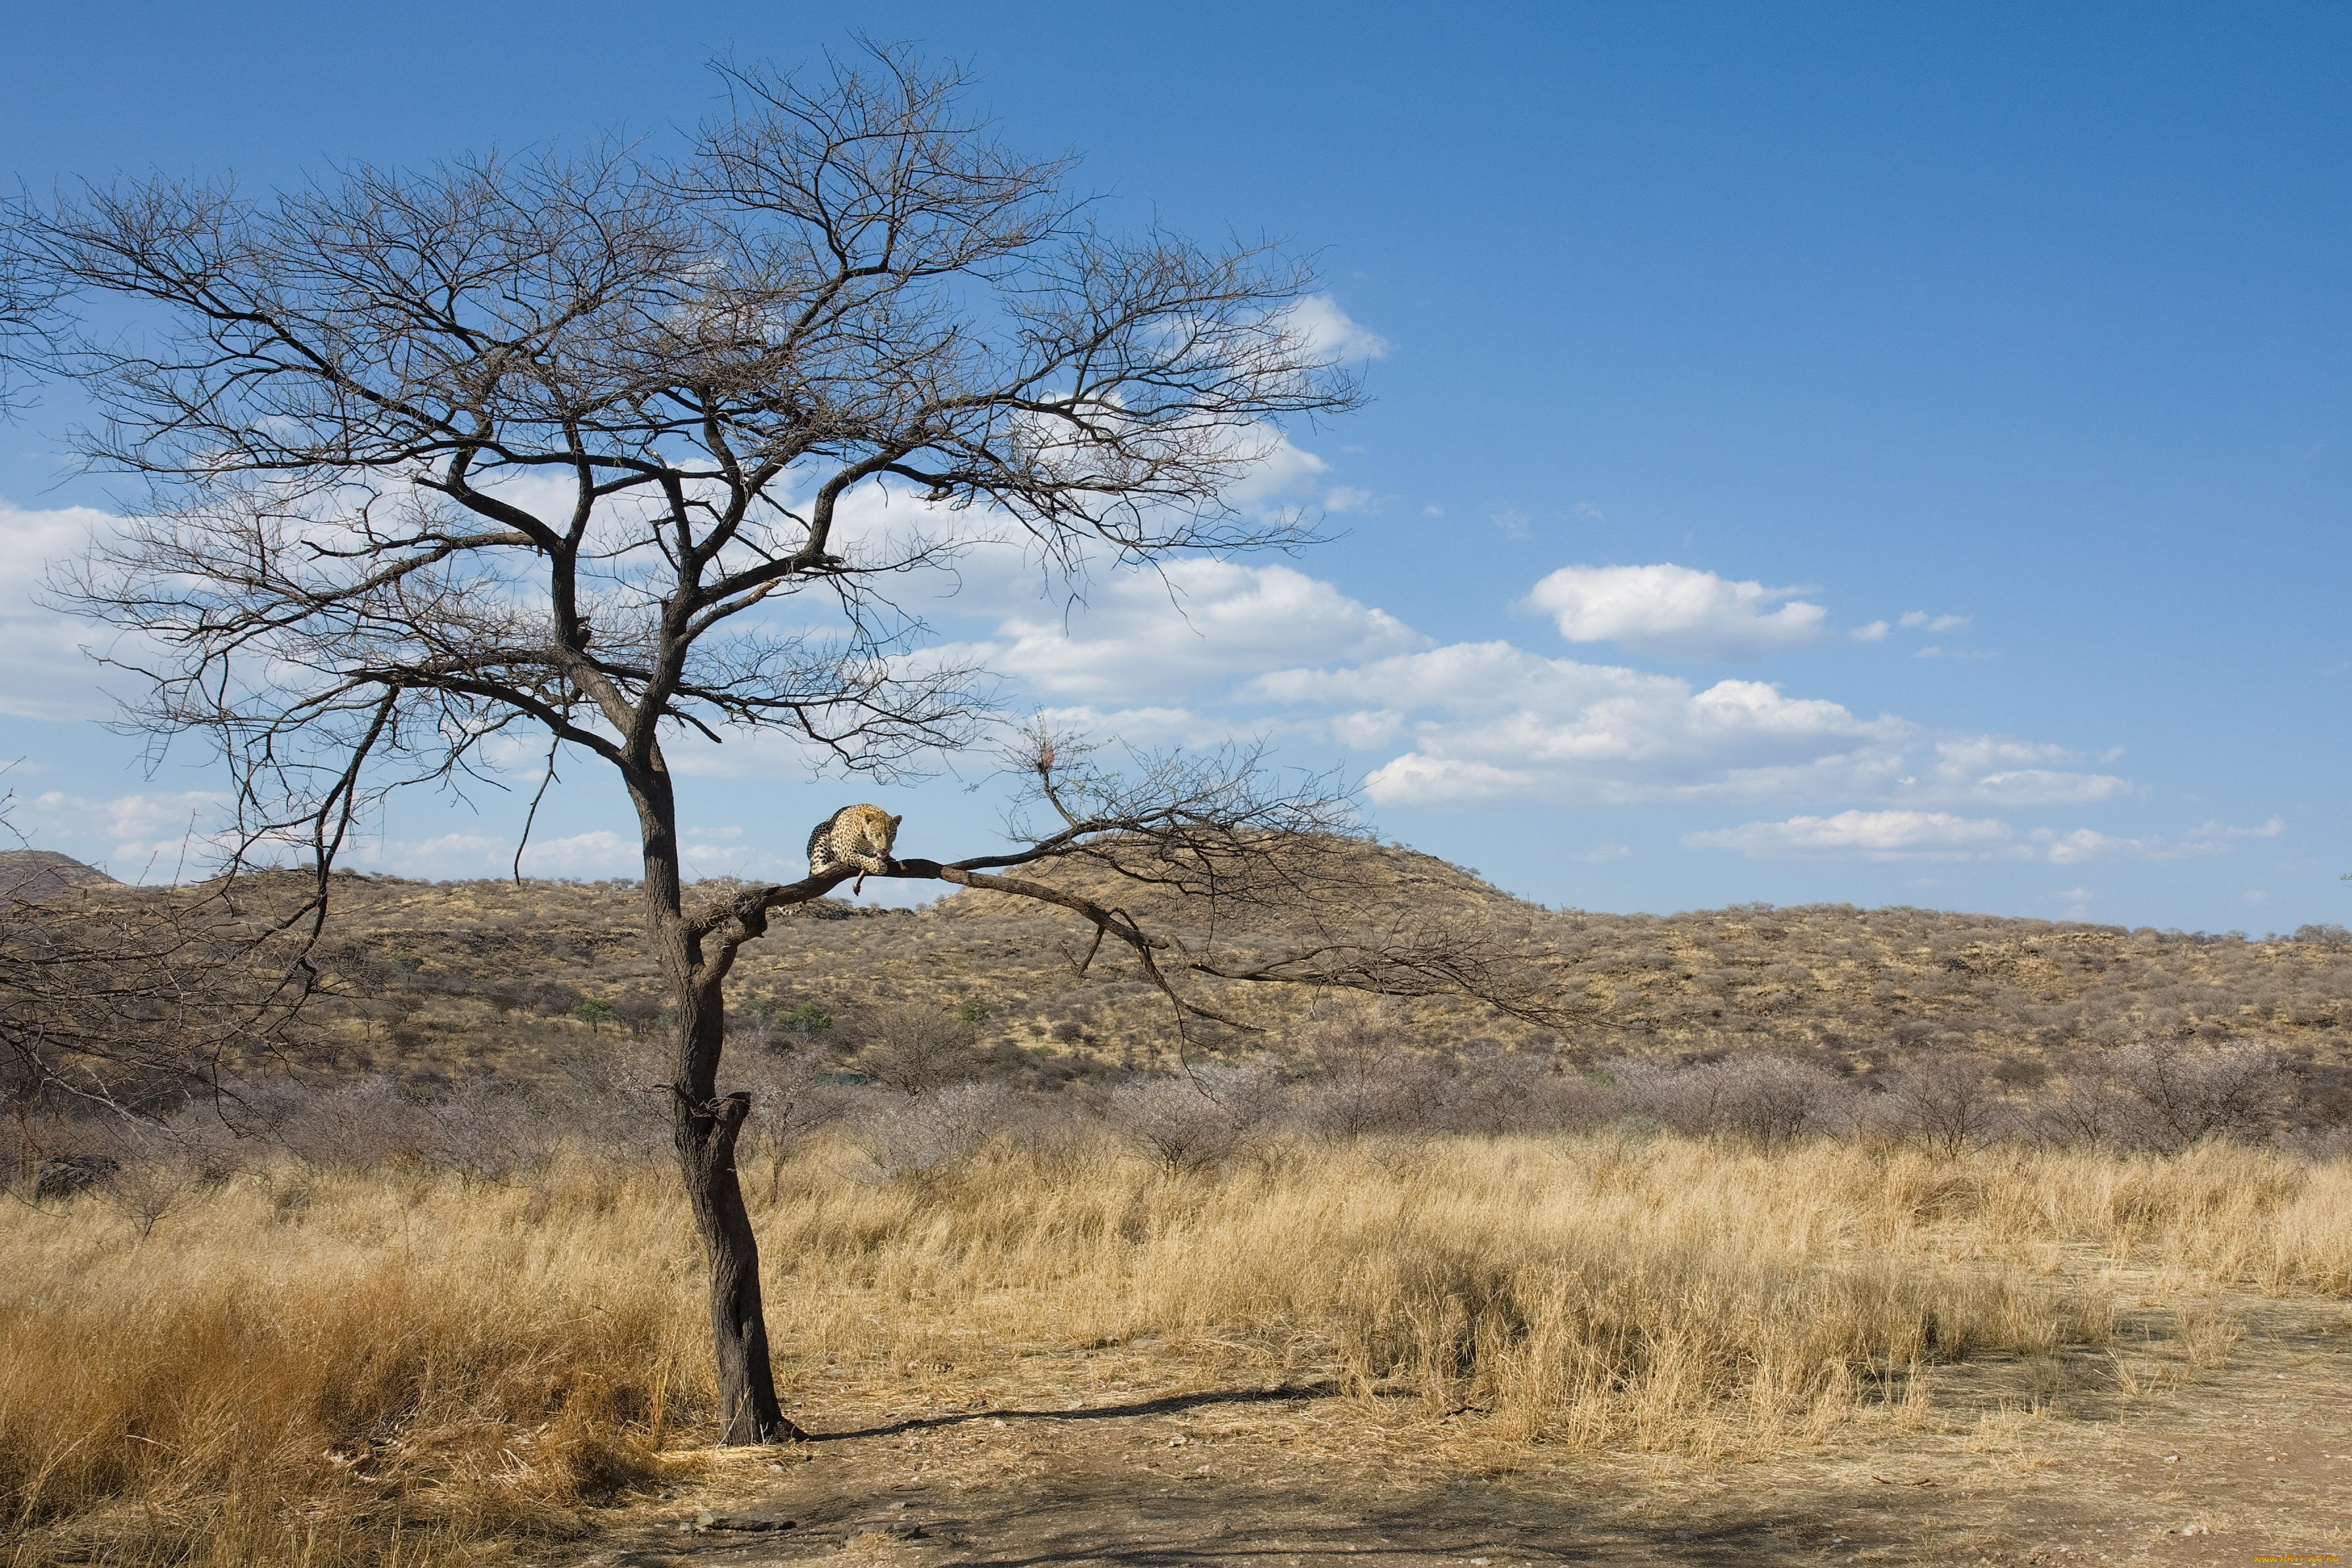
43	874
442	980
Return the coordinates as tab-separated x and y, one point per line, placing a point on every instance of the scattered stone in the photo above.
889	1529
2194	1529
707	1520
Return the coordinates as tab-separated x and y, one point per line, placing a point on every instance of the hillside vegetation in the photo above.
437	979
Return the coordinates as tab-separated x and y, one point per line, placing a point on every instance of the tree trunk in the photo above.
704	1128
747	1409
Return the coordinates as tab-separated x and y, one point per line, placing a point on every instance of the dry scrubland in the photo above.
442	981
1788	1179
303	1363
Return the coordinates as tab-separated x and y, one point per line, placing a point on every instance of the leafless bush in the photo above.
135	1004
1192	1121
2229	1090
916	1049
1767	1100
1947	1105
1362	1077
2319	1146
611	1096
146	1190
793	1095
481	1128
1494	1091
2088	1107
927	1136
63	1175
2168	1094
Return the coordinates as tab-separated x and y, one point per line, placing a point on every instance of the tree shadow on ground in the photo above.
1169	1405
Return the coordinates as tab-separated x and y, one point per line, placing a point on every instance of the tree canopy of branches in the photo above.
134	1006
562	445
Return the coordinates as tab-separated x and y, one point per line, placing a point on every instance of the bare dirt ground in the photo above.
2219	1436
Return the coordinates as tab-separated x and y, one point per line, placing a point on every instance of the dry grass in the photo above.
300	1363
295	1366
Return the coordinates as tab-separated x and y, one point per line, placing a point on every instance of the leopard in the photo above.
855	835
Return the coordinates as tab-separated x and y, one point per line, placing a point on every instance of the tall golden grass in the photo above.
295	1365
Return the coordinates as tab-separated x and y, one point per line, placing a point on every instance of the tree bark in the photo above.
704	1130
747	1409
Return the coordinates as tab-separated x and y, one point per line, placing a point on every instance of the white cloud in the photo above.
2047	787
1677	612
1418	779
585	856
1890	835
2269	830
2085	844
2016	773
1917	618
44	673
1144	726
1874	632
163	835
1367	729
1281	477
1501	721
1330	330
1487	721
147	836
1865	835
1143	636
600	854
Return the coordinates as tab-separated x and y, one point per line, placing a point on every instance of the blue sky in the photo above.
1818	452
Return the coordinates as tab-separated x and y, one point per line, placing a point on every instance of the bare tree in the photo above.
1192	1120
912	1048
28	300
1948	1102
1765	1099
2167	1094
560	446
137	1008
1365	1077
130	1006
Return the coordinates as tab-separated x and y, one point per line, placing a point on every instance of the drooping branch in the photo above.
139	1004
1219	835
